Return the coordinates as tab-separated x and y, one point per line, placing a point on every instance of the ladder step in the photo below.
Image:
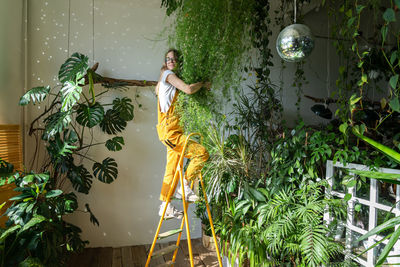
169	233
166	264
164	251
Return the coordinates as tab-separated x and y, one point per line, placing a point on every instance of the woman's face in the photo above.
171	61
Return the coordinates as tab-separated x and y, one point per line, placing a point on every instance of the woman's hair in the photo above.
164	65
176	54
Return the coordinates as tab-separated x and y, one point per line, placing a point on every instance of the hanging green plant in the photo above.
214	39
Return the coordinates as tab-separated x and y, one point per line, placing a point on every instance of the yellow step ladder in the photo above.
185	221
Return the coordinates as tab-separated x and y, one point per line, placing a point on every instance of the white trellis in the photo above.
371	201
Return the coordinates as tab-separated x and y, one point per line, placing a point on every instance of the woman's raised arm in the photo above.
186	88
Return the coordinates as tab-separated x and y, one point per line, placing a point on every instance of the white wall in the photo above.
11	60
124	44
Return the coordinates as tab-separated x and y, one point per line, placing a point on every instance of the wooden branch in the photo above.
108	80
322	100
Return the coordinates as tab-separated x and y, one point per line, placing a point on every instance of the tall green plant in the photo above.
214	38
36	231
70	116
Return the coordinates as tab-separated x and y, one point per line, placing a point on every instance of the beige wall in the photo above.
11	60
124	44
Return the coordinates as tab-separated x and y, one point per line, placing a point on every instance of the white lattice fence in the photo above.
377	200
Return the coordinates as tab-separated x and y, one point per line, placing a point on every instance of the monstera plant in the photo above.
69	121
36	232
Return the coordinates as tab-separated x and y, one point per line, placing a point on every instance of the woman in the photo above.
171	134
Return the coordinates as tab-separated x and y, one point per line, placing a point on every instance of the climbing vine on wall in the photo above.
214	40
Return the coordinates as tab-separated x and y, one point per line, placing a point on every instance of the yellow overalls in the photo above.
171	135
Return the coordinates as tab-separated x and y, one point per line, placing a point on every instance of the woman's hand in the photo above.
207	85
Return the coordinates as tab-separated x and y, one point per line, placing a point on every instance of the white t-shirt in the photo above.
166	92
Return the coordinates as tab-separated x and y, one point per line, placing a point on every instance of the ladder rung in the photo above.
167	264
179	199
164	251
169	233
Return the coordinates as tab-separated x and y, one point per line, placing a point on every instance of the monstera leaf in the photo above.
115	144
70	136
70	94
37	94
80	178
112	122
90	116
106	171
74	68
58	148
124	107
55	123
93	219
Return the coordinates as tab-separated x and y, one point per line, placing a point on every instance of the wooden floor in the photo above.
136	256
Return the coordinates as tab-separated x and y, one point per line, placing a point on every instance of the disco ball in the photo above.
295	42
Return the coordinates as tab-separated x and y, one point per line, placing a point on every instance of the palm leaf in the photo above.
90	115
112	122
106	171
124	107
70	94
56	123
115	144
74	68
313	245
37	94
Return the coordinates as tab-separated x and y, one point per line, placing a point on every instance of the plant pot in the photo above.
208	241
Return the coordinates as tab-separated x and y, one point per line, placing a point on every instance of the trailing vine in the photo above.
214	40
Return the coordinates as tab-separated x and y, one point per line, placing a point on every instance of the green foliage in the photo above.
386	177
90	116
106	171
115	144
37	94
372	56
74	68
80	178
56	123
124	107
214	39
282	228
36	233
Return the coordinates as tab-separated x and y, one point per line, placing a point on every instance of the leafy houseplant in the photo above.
69	117
36	228
36	234
281	228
